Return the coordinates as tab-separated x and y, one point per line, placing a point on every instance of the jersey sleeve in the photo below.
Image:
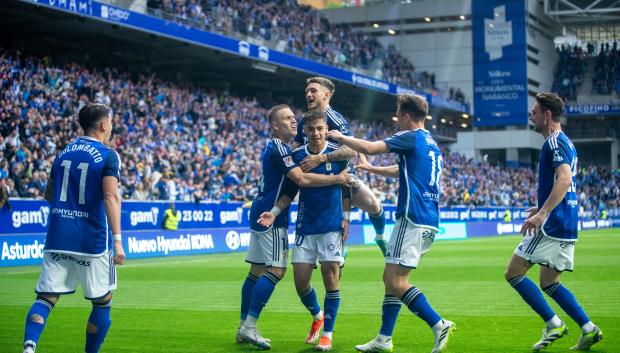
559	152
112	165
299	138
282	159
401	142
335	121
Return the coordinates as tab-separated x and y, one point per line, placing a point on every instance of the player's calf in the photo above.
98	324
36	320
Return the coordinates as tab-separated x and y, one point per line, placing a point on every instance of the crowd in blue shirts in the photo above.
190	143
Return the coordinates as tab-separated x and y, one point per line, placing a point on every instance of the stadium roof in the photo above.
570	12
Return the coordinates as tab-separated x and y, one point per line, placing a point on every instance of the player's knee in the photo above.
278	272
105	301
52	299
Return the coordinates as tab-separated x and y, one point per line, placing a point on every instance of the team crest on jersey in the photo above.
288	161
557	157
328	167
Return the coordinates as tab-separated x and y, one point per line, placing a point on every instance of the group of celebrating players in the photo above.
84	237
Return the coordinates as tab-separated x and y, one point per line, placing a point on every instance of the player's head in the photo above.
319	90
410	108
282	122
315	127
96	120
547	110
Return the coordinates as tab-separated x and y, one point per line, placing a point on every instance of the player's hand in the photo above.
335	135
345	231
531	211
310	163
532	225
266	219
119	253
345	178
363	163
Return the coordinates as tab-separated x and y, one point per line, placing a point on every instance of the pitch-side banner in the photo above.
139	21
499	62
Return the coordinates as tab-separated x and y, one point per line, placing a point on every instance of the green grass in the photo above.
191	304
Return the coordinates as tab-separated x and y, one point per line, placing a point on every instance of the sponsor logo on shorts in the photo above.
428	235
59	257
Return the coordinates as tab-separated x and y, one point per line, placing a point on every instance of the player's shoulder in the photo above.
277	145
299	150
334	116
559	139
331	147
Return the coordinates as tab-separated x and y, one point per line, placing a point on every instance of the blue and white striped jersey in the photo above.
419	164
77	221
562	221
320	208
335	121
276	162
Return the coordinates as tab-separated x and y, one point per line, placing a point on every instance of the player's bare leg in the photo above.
363	198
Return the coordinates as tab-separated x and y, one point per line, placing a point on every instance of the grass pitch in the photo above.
191	304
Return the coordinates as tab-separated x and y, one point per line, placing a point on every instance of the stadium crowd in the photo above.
606	78
299	30
182	142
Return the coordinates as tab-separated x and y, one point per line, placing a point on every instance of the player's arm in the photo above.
49	189
343	153
317	180
390	171
562	182
359	145
266	219
112	203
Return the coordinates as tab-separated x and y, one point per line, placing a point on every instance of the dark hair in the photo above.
271	115
314	114
91	114
551	102
415	106
325	82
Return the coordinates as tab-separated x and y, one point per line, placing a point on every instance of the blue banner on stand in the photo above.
499	62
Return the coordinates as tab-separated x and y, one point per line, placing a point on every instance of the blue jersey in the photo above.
562	221
276	162
335	121
77	221
419	168
320	208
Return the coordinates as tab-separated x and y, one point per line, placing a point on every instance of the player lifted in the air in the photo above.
84	227
417	217
550	232
268	249
321	231
319	91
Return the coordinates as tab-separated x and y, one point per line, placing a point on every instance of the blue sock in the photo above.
417	303
567	302
261	293
308	297
391	308
378	221
331	304
36	320
532	295
246	294
100	319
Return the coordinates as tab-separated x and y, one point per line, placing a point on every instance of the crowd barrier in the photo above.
217	228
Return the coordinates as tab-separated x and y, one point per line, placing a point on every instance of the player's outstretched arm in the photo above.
49	189
341	154
317	180
390	171
266	219
359	145
563	181
112	204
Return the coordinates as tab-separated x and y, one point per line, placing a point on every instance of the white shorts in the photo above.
408	243
61	274
269	248
546	251
323	247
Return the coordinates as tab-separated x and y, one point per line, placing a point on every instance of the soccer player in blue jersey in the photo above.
319	91
268	249
550	232
417	217
84	236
